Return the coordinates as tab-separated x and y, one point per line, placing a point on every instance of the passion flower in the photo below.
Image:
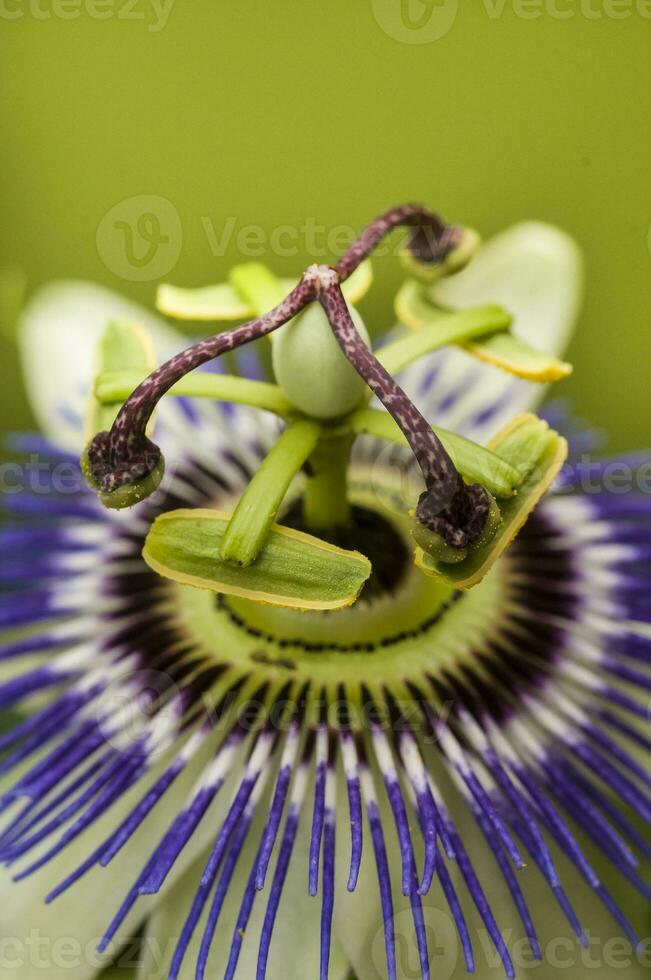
340	666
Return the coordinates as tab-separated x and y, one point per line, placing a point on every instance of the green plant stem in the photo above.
325	504
258	506
116	386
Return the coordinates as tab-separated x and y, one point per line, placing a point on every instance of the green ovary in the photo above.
312	370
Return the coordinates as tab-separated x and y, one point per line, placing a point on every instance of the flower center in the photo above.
124	465
403	627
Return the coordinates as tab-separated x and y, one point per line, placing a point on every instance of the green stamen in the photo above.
116	386
293	569
259	504
454	328
415	309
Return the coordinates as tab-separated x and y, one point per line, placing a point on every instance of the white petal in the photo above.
536	272
58	334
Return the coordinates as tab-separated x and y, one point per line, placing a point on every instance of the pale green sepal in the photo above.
258	506
119	972
474	462
293	569
112	386
539	453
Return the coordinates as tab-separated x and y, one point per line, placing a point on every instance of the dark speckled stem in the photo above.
438	469
121	456
457	512
431	240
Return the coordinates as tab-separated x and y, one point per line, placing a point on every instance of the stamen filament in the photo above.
454	328
116	386
258	506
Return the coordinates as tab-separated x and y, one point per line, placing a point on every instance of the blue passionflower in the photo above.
431	779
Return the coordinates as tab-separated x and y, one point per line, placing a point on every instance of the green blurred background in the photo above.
273	114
